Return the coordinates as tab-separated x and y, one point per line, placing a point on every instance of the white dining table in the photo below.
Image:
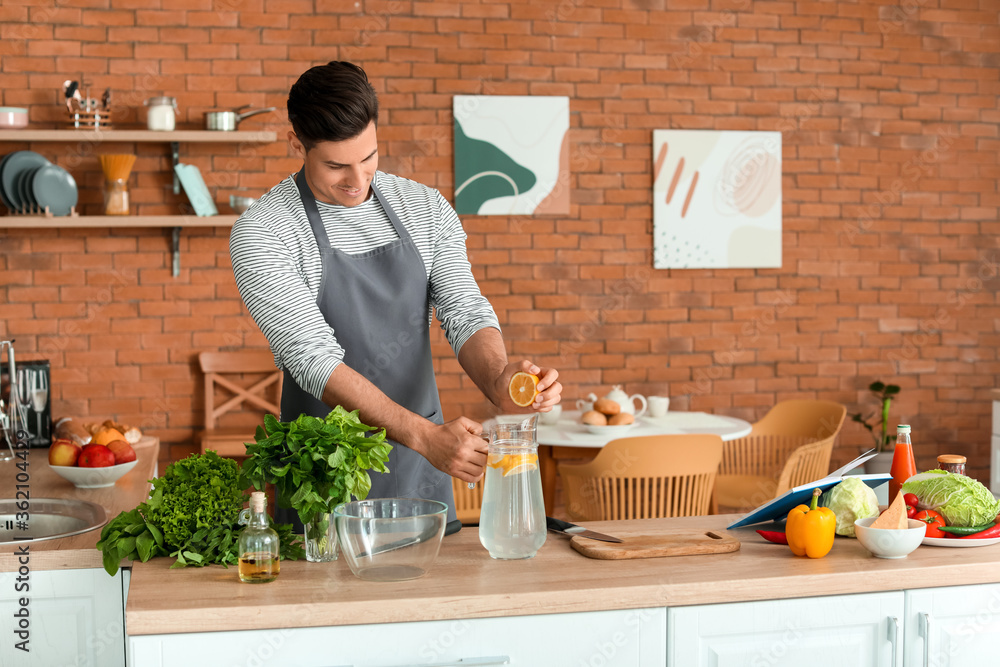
567	438
569	432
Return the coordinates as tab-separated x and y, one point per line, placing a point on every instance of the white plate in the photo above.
955	542
610	430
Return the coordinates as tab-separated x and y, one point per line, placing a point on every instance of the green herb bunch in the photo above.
192	515
884	393
315	464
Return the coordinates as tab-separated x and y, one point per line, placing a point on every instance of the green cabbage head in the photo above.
850	500
961	500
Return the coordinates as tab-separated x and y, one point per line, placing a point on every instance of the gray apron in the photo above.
376	302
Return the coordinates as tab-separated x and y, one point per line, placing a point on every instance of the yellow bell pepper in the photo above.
810	530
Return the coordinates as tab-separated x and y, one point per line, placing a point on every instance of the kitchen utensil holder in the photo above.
95	119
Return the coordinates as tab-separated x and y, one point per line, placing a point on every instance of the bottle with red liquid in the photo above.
904	466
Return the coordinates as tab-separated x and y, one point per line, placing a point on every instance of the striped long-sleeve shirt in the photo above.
278	271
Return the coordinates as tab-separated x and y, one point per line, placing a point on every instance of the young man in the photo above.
340	266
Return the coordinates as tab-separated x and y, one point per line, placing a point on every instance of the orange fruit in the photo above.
106	435
523	388
513	464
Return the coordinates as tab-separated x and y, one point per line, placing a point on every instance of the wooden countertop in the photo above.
465	583
77	551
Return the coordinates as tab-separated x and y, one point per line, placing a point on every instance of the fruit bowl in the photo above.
614	431
93	478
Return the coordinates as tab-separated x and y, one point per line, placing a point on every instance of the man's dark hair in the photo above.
331	102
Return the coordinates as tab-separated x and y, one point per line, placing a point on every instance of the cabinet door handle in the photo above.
466	662
926	630
894	637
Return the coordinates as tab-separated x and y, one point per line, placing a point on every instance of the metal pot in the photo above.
226	121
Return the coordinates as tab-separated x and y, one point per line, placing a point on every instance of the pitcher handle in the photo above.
642	399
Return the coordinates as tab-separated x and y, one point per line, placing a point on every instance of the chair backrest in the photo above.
787	426
807	463
752	465
644	477
224	369
468	502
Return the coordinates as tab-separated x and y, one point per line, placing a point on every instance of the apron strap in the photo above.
396	222
309	202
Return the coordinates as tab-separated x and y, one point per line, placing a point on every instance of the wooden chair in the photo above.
229	370
468	502
752	466
644	477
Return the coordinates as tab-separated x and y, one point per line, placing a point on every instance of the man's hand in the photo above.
549	388
455	448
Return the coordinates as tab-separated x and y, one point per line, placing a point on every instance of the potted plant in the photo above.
877	424
316	464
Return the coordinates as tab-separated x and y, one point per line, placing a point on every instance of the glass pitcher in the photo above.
512	519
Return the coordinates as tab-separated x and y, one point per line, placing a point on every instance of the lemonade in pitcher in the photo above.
512	519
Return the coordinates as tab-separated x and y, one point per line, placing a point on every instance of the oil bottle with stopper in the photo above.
259	545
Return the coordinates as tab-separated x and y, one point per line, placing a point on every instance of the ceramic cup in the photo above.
658	406
552	416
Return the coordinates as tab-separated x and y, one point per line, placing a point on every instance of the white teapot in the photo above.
626	402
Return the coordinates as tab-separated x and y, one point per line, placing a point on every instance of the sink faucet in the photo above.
8	413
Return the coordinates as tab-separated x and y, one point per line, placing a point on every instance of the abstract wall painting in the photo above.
716	199
511	154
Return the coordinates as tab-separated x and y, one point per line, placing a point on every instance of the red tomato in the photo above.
933	520
911	499
911	512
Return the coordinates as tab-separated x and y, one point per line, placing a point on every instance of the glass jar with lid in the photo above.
952	463
161	115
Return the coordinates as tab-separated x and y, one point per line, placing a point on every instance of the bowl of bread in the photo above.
607	418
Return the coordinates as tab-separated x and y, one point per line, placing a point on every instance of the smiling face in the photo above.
340	172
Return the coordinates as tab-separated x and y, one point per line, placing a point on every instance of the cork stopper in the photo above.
951	458
258	500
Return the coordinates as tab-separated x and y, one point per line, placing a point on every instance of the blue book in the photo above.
778	508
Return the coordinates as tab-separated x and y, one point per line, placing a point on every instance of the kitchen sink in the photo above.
49	519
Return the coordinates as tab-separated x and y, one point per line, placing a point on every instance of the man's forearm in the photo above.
350	389
484	358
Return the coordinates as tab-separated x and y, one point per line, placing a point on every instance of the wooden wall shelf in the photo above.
174	138
96	221
148	136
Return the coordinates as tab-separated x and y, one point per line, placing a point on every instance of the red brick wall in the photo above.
889	119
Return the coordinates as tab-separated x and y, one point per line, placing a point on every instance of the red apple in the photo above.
63	452
122	450
95	456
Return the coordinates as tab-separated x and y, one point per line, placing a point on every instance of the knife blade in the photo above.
567	528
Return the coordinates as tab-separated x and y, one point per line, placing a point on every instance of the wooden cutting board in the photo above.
656	545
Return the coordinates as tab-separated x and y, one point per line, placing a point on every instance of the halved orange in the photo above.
523	388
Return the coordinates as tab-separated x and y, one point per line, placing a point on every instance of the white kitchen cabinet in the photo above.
76	618
626	638
954	626
849	630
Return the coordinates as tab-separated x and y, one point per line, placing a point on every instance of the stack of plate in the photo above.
29	183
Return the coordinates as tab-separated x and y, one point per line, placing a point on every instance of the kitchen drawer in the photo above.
626	637
835	631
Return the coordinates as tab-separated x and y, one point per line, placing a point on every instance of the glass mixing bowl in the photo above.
390	539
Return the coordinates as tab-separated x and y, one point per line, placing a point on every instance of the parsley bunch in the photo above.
192	515
315	464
